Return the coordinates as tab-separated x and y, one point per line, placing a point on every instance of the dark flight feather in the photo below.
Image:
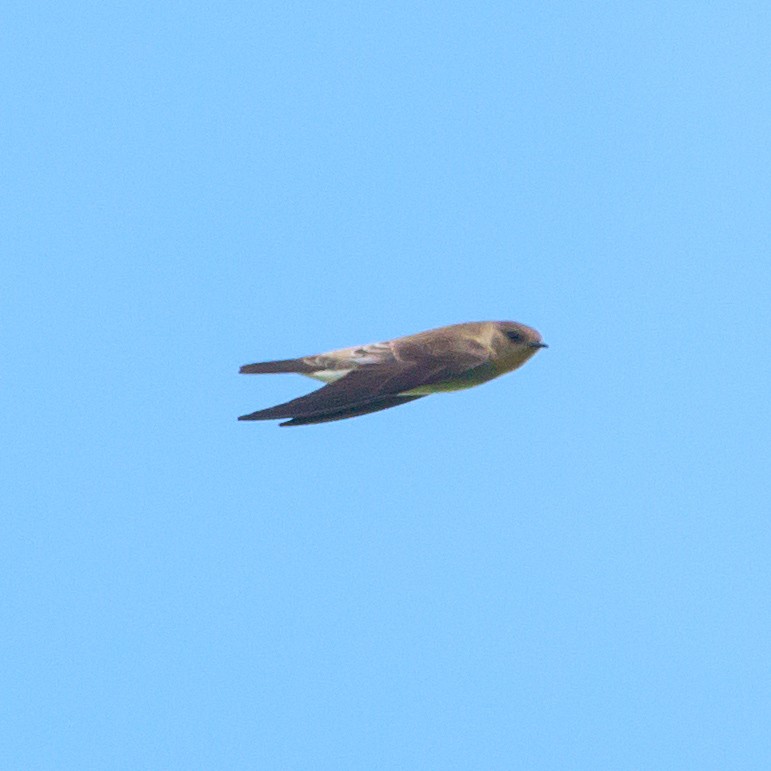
327	417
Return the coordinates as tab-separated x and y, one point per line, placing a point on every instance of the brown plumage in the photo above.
378	376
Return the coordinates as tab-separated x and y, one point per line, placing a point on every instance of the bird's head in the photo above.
517	343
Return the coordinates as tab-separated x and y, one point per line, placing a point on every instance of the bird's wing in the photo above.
373	387
384	403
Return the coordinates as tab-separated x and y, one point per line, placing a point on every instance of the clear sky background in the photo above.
565	568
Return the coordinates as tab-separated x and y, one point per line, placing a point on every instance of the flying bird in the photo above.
377	376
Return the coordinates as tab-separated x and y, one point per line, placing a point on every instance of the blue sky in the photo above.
565	568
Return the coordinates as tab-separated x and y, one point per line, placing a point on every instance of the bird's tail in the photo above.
284	365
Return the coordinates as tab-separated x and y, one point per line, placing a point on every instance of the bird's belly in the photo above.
436	388
467	380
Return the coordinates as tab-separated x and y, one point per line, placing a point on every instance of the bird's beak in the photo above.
538	345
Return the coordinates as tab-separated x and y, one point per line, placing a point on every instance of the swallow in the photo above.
378	376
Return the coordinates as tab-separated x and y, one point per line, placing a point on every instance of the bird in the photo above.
378	376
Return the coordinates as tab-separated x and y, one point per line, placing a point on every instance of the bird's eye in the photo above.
515	337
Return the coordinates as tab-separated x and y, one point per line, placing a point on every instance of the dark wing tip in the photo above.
256	416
